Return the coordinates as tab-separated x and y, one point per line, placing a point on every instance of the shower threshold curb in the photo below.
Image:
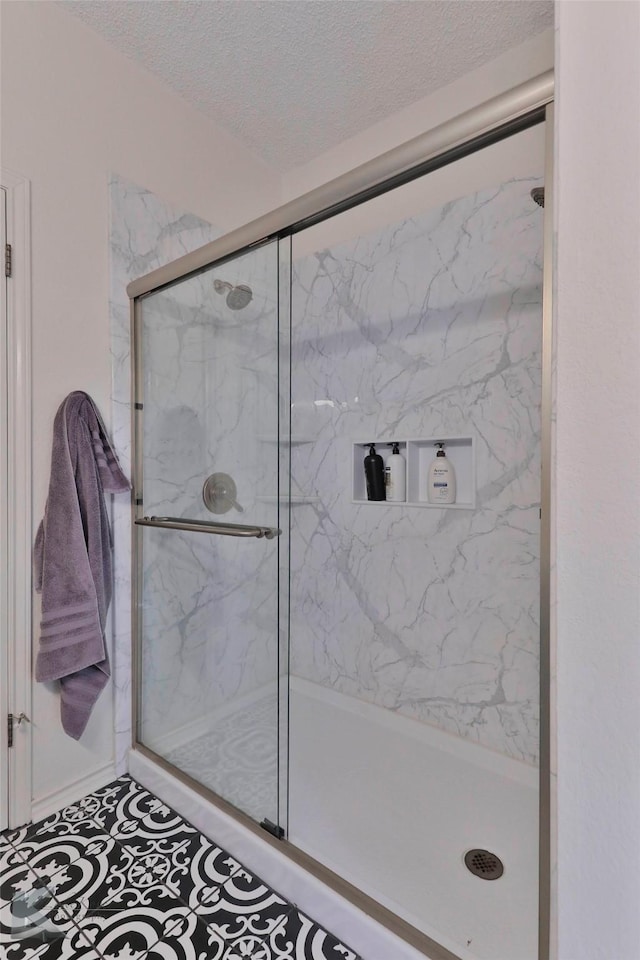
371	939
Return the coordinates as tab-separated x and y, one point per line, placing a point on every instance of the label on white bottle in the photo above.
395	479
442	487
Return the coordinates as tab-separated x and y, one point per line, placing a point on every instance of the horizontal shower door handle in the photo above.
205	526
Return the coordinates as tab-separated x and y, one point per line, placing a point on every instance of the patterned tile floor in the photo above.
120	876
237	758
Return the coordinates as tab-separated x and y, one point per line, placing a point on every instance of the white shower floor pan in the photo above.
388	803
392	805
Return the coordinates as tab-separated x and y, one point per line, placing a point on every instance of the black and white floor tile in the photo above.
120	876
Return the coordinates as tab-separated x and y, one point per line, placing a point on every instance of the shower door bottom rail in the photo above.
204	526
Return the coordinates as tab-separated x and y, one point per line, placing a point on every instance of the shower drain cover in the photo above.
484	864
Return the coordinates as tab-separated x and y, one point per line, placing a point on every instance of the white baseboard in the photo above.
72	792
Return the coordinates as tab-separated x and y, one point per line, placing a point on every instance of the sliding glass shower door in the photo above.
209	527
403	639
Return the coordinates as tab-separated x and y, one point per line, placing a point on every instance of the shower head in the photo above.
537	195
237	297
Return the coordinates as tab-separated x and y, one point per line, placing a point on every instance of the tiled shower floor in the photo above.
120	876
237	758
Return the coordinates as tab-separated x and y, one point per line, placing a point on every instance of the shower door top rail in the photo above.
205	526
442	144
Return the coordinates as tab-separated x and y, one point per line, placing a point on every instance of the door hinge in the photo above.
8	259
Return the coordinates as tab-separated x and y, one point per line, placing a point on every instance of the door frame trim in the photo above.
18	615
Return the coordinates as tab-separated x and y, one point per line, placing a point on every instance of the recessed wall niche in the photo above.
419	453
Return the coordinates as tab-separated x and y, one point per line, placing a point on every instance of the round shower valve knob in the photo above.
219	493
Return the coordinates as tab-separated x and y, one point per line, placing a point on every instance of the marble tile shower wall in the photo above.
193	407
210	604
145	233
429	328
432	613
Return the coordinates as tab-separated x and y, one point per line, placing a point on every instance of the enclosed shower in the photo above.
358	678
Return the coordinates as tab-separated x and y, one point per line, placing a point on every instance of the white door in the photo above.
4	536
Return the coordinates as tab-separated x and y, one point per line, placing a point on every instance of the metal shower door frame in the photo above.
503	116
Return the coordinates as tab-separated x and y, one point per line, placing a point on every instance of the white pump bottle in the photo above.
442	478
395	475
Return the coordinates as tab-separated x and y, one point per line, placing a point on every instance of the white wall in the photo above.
515	157
514	67
73	110
598	515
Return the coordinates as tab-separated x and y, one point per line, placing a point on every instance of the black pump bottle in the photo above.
374	475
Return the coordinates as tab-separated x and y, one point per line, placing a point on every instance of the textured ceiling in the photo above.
292	78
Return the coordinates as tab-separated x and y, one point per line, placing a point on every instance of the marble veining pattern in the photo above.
209	605
429	328
145	233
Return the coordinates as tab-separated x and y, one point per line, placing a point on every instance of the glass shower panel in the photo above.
415	639
208	421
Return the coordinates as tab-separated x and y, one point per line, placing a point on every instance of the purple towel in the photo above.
73	560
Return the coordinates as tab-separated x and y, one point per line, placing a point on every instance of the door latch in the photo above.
12	723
